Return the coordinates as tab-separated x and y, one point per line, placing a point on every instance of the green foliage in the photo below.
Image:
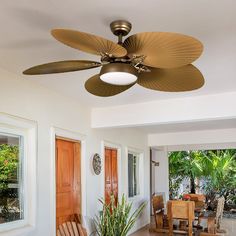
9	162
217	168
184	165
116	220
220	176
8	165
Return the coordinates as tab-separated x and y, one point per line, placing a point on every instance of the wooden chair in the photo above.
214	220
199	199
219	212
158	209
71	228
200	205
161	221
196	197
183	211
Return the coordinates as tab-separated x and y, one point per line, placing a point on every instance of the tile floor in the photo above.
228	224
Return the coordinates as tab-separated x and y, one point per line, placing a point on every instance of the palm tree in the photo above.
217	168
186	164
219	171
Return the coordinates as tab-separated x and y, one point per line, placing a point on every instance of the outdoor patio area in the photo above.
199	197
228	224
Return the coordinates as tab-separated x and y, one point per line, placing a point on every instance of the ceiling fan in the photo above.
154	60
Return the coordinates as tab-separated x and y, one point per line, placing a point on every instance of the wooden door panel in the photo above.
64	204
114	167
111	174
108	166
108	184
68	180
65	166
77	178
114	174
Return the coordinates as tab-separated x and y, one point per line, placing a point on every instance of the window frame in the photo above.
140	156
14	126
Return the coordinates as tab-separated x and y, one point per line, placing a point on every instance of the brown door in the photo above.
111	174
68	180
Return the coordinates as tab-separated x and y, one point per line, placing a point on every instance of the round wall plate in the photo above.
97	164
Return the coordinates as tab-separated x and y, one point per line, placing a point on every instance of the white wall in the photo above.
23	98
123	138
161	172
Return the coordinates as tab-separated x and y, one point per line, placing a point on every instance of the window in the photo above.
11	181
133	174
18	152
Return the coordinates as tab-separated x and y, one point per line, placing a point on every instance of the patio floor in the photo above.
228	224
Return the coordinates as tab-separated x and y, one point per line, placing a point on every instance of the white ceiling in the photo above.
26	41
188	126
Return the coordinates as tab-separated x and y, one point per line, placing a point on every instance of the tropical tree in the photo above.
8	174
8	164
176	163
219	172
217	169
185	165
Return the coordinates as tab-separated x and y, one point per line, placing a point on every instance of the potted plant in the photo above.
116	219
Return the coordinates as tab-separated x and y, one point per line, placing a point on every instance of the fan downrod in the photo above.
120	28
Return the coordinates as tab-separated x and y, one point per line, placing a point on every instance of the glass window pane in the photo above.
130	174
11	208
135	179
133	175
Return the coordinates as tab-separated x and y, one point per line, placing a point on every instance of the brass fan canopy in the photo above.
120	27
118	74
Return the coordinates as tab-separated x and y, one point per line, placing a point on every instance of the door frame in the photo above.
74	136
108	144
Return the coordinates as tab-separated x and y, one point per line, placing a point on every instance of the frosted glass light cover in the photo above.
118	78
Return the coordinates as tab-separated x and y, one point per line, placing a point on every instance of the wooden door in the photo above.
111	174
68	180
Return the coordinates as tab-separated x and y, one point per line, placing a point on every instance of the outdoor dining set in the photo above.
187	216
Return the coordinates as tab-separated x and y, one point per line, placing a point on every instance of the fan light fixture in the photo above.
118	74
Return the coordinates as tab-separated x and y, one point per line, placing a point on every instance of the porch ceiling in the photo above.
26	41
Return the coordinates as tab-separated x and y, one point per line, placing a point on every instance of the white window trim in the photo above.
28	130
109	144
55	131
140	154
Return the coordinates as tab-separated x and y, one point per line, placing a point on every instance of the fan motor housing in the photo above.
119	67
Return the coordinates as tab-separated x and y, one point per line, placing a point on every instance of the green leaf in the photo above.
116	220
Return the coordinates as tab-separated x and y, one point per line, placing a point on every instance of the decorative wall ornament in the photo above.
97	164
